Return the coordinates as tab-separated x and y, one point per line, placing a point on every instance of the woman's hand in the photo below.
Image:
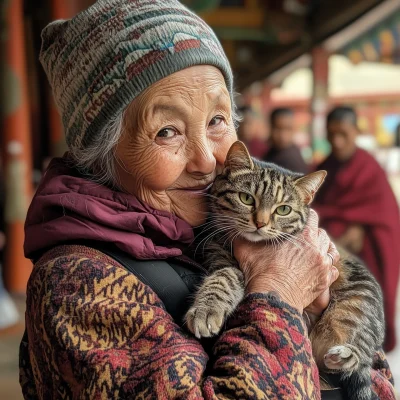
299	271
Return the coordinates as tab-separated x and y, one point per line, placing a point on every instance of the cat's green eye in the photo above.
245	198
283	210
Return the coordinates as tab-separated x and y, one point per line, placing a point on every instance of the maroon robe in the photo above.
358	192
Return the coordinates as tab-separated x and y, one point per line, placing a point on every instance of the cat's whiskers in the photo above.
210	236
296	238
217	222
298	244
221	228
207	227
231	236
237	234
213	224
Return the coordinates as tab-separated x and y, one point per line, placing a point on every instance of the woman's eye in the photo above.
216	121
283	210
245	198
167	133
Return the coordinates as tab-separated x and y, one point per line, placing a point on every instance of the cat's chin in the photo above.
255	237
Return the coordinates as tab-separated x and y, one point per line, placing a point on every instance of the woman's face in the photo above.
177	134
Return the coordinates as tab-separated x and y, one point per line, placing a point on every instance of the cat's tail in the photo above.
358	385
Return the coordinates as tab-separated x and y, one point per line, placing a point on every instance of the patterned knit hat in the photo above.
103	58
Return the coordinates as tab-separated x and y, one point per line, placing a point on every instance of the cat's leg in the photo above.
356	377
352	362
342	358
219	294
346	337
357	385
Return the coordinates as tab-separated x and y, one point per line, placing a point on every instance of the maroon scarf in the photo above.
67	208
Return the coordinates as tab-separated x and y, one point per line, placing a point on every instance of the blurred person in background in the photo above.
283	151
357	207
253	132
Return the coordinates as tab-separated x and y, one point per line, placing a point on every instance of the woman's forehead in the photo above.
201	80
197	87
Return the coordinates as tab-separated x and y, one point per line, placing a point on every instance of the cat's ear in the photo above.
309	184
238	157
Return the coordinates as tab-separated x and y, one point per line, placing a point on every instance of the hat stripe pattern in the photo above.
102	59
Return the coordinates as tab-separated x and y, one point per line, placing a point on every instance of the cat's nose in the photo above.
260	224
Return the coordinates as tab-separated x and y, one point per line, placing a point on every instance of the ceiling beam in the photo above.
234	17
336	16
361	26
328	23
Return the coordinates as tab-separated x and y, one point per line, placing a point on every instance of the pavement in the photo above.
10	339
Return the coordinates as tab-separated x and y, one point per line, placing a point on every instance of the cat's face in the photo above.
261	201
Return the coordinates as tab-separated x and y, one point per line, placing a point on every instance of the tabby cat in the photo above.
265	202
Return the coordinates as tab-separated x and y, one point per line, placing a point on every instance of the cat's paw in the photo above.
342	358
204	321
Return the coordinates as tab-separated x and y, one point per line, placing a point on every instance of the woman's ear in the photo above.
238	157
309	184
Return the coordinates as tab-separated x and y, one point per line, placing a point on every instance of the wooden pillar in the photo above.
16	145
320	100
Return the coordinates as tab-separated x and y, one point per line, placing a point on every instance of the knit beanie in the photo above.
103	58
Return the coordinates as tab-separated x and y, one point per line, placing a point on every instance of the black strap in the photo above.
172	282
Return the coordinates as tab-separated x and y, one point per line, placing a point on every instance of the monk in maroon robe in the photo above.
358	209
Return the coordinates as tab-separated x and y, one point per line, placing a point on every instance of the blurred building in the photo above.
266	41
305	54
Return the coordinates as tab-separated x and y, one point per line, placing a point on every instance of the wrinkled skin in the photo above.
302	273
177	134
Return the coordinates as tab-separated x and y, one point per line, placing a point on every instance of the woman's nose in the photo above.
202	160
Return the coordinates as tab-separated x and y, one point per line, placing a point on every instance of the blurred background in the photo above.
305	55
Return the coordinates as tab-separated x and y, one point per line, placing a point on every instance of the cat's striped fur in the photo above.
350	331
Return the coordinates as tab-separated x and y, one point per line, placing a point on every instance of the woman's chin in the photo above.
193	213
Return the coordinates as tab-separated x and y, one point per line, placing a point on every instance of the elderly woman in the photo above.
145	94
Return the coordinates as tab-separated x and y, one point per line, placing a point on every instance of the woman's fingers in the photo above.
333	251
323	241
318	306
312	224
333	275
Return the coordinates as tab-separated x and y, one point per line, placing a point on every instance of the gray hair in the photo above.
98	160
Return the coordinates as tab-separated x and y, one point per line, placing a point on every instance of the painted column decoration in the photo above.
319	102
16	144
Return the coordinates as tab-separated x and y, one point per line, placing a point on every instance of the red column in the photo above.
16	146
319	101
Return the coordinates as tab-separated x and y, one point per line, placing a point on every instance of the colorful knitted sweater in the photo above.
95	331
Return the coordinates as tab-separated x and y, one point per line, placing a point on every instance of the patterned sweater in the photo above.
94	331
